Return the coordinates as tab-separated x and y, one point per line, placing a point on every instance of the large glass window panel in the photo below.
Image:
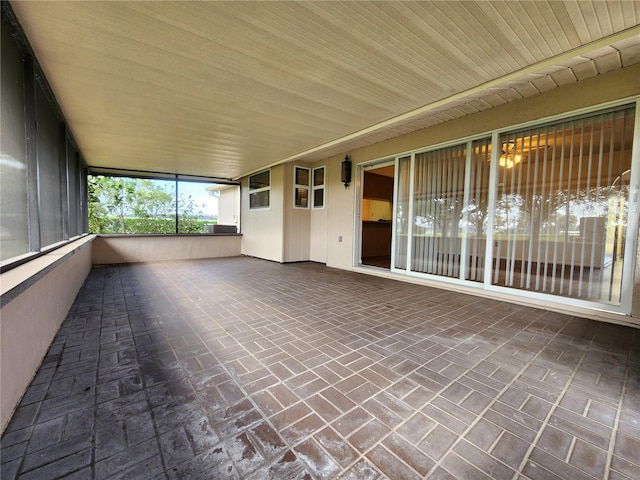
402	220
438	203
473	221
49	174
14	221
561	207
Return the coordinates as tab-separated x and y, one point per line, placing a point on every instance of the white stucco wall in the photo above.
318	226
297	221
263	229
229	206
340	217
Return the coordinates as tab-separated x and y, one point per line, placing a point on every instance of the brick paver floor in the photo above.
246	369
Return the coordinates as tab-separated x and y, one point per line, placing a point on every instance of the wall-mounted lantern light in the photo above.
346	171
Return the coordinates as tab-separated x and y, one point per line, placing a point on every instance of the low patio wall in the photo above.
36	298
111	249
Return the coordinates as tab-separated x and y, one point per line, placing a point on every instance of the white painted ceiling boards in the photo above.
225	88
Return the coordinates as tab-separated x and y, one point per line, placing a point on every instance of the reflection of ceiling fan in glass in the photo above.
508	156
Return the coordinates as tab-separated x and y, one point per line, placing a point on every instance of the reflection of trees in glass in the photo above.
438	215
476	218
561	210
128	205
511	214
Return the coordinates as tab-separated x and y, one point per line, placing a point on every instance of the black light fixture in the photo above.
346	171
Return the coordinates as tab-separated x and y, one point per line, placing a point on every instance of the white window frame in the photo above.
315	187
301	186
260	190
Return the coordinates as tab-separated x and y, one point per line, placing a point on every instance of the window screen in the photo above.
48	172
14	220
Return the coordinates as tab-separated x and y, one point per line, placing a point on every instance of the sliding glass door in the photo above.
543	209
438	198
402	209
562	206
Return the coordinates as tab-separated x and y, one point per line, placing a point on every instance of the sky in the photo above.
200	196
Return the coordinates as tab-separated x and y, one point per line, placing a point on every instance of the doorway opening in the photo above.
376	211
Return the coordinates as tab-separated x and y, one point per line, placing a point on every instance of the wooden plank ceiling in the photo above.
225	88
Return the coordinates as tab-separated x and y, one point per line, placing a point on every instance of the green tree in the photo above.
189	217
97	210
153	208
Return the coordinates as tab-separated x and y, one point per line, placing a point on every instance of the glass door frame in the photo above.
361	168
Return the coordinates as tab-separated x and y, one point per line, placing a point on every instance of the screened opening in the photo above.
14	215
49	180
123	205
42	174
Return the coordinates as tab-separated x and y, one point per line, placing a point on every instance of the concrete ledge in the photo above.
19	279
